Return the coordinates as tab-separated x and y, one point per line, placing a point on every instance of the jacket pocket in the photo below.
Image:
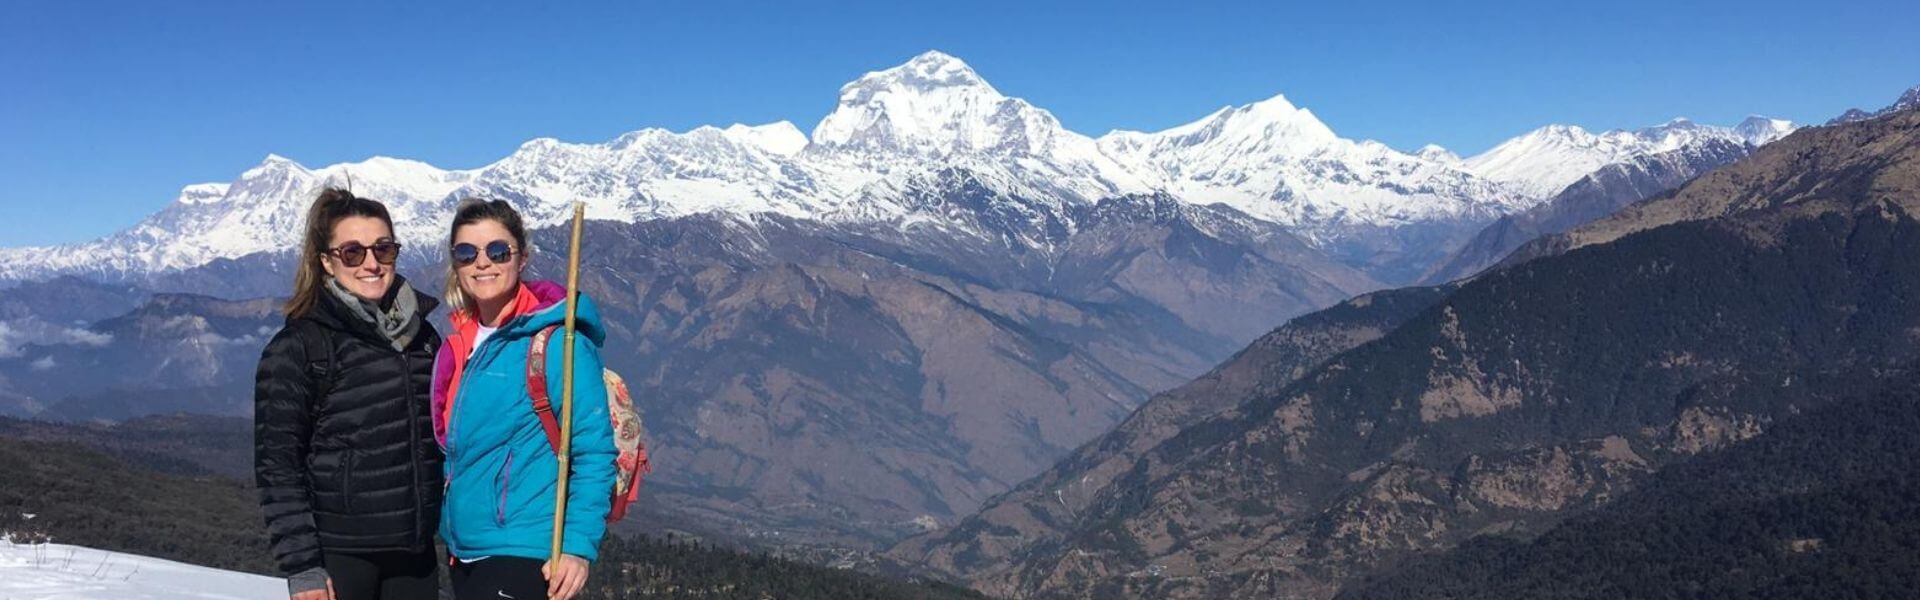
503	482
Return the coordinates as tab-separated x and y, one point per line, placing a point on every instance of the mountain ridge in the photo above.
1373	207
1547	386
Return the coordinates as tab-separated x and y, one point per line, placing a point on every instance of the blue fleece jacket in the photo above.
501	472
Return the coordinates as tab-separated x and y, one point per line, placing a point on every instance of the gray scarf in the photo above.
399	324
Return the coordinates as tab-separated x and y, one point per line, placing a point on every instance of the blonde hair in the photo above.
475	210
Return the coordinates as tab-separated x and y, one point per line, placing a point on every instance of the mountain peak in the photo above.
1852	114
1908	100
1265	123
1759	131
936	68
1557	132
781	138
1438	153
272	163
1544	161
927	73
1276	107
933	105
1674	126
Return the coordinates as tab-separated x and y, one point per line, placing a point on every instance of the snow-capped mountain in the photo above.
894	133
895	127
261	211
1593	196
1276	161
937	106
1759	131
1544	161
897	138
654	173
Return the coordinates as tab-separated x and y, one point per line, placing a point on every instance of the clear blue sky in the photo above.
107	109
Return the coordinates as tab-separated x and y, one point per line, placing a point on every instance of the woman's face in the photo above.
490	277
361	239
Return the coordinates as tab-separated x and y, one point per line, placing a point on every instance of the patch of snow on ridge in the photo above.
64	572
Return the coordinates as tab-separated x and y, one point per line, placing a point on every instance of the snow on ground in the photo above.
63	572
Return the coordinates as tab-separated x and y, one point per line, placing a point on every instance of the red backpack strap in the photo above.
537	387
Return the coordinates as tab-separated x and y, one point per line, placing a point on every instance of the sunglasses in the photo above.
498	251
352	254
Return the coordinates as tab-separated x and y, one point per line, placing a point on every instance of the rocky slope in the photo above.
1868	160
1813	508
1041	511
829	386
1546	387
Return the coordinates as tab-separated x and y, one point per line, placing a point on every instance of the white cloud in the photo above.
214	339
16	335
87	337
45	363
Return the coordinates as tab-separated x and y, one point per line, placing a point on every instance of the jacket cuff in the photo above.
307	581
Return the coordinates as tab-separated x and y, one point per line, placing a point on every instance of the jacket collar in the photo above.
536	305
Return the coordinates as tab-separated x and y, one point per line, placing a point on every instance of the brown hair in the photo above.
329	208
475	210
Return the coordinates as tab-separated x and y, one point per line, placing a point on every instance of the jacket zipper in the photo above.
504	480
413	451
466	374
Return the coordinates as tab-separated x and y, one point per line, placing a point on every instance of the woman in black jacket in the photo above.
344	454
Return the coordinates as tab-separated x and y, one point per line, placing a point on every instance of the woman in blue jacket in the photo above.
501	469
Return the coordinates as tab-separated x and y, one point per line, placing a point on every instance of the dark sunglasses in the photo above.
352	253
498	251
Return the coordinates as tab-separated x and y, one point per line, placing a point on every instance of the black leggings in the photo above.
499	577
384	575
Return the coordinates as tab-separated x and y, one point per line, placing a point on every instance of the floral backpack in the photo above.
628	429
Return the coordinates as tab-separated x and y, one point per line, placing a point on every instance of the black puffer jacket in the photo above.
344	453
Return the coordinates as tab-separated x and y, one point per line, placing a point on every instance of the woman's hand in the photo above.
566	578
326	594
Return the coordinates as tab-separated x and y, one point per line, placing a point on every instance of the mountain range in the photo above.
893	134
1405	422
855	336
1592	196
1545	161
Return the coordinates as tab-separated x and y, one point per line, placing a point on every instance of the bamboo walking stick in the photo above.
566	384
